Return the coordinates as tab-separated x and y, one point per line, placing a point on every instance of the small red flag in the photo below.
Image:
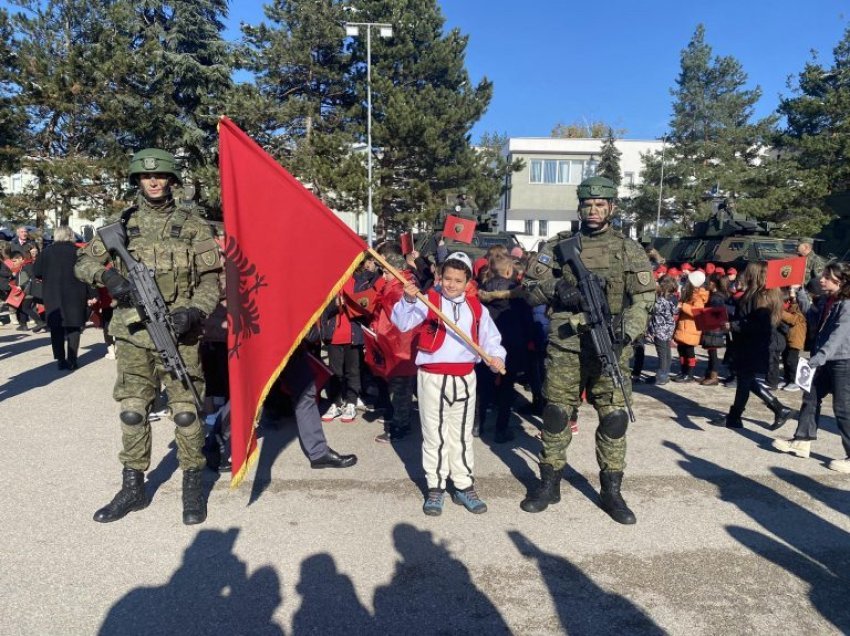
361	303
458	229
785	272
406	243
711	318
287	256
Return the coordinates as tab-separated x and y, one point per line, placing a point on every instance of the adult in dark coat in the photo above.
66	298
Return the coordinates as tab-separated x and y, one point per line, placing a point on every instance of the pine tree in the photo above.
815	143
424	106
12	117
609	159
713	149
304	96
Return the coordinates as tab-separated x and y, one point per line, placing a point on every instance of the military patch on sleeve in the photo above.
544	258
644	278
209	258
97	249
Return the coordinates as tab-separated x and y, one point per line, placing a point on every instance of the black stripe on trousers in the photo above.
463	429
440	483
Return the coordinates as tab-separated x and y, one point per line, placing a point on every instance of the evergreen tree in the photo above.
424	107
815	142
12	118
304	97
713	150
609	159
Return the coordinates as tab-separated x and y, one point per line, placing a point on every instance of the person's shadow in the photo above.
583	606
329	604
431	592
276	432
812	549
211	593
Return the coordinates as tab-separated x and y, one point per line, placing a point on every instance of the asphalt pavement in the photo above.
732	537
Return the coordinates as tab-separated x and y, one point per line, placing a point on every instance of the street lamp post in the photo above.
352	29
660	187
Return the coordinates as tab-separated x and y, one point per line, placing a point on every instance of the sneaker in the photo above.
469	499
360	406
383	438
348	414
799	447
155	416
840	465
791	386
332	413
433	506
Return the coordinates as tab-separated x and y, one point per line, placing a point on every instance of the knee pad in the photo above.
184	419
554	418
131	418
614	424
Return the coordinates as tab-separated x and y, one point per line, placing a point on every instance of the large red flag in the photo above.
287	256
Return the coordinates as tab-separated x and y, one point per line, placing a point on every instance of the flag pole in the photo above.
449	323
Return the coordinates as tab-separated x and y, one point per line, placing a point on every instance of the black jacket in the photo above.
64	295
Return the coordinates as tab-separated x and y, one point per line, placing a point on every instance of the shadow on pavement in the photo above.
30	379
276	435
164	470
16	344
685	410
329	603
431	592
825	569
583	607
211	593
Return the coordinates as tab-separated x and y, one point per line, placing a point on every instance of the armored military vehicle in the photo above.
727	239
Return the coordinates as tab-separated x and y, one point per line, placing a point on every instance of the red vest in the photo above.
432	332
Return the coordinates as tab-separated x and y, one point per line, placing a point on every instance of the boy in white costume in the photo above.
446	379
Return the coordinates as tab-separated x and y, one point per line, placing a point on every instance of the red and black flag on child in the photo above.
287	256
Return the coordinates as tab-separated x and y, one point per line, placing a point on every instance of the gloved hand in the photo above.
184	319
569	296
119	287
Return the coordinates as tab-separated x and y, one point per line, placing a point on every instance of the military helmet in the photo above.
153	160
597	188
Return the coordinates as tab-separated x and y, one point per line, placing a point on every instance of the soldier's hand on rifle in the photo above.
569	296
184	319
119	287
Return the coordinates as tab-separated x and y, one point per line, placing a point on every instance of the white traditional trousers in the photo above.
447	412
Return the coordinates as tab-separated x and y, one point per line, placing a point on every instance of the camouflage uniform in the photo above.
571	362
814	266
178	244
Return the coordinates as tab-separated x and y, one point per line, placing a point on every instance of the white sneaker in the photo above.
840	465
799	447
332	413
349	413
791	386
360	406
110	352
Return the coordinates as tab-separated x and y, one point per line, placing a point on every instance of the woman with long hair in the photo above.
831	363
758	313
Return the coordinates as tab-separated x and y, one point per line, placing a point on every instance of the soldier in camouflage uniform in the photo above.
814	263
171	238
572	365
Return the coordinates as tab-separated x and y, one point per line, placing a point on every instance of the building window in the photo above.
529	227
17	184
543	228
563	171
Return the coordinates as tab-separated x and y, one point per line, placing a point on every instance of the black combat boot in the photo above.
547	492
194	504
611	499
131	497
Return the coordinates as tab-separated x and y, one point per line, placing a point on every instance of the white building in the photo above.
541	200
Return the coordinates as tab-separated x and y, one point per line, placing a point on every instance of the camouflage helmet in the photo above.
597	188
153	160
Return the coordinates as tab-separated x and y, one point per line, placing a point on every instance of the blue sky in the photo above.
559	61
615	61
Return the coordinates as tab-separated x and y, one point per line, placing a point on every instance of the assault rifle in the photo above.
148	301
596	312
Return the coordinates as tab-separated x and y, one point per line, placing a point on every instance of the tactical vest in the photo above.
432	332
